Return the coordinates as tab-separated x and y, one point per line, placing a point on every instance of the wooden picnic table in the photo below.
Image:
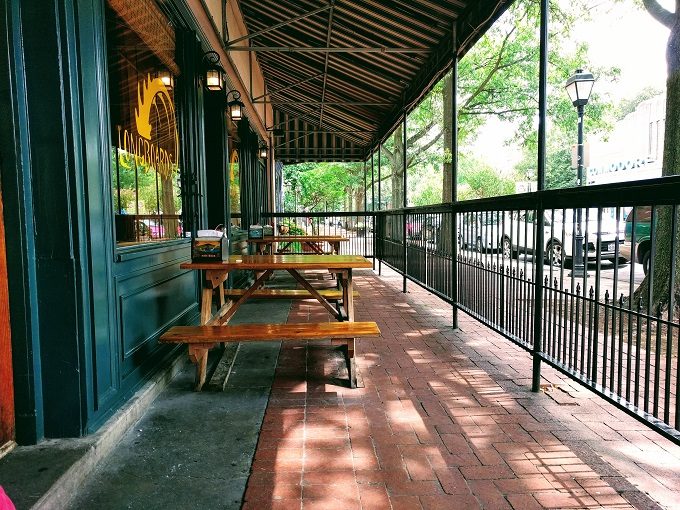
213	327
215	274
312	242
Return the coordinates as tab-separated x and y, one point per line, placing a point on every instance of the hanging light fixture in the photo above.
166	77
235	106
263	151
214	72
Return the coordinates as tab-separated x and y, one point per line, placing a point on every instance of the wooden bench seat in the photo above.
329	294
200	339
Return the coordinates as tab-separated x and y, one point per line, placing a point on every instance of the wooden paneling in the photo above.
6	387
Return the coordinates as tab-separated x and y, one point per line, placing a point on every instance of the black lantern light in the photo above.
263	151
235	106
214	72
166	77
579	86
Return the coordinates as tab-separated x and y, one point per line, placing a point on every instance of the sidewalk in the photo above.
445	419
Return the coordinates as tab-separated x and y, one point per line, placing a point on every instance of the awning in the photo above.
339	74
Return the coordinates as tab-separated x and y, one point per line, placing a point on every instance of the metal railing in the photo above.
613	324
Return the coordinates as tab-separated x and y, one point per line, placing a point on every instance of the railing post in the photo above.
454	177
404	166
379	202
373	222
540	211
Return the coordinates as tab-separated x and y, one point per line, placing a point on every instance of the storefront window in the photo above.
234	185
144	137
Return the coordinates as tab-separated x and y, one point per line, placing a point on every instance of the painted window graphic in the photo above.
145	145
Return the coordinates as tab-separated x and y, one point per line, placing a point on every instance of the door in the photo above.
6	386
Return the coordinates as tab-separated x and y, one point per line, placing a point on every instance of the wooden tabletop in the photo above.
264	262
297	238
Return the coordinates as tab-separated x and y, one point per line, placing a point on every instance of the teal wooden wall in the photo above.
85	315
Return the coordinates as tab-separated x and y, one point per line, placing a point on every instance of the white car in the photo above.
518	235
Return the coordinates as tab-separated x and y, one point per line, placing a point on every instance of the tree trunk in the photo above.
447	98
444	236
661	292
397	162
170	225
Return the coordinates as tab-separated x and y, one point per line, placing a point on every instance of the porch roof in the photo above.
340	73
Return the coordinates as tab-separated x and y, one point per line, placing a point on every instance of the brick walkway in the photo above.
445	420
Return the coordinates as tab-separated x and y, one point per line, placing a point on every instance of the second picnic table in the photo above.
314	243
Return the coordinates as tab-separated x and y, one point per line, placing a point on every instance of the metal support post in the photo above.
454	177
403	129
538	280
379	201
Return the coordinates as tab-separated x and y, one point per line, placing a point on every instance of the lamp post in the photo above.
579	86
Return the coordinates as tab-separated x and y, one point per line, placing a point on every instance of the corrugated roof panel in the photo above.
348	100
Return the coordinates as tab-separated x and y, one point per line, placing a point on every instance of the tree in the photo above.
498	77
663	265
324	185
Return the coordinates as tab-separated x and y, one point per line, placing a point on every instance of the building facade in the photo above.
112	151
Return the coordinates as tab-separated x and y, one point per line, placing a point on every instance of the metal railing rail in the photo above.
601	327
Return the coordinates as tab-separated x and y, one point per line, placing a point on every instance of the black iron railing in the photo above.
612	325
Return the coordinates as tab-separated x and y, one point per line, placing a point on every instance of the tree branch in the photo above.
492	71
663	16
421	132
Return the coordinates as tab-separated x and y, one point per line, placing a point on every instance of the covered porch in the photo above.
442	419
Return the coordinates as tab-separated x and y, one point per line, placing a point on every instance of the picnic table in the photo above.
213	327
313	243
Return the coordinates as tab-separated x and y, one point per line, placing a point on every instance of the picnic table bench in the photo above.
203	338
214	329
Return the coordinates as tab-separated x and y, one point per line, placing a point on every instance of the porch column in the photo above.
540	241
405	200
454	176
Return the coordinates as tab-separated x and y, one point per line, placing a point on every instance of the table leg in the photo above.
206	303
198	354
351	363
348	294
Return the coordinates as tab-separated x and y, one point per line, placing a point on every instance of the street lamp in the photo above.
579	86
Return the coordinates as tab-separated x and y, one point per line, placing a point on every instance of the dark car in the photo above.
643	236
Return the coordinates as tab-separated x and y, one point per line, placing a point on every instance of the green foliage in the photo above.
132	178
293	229
558	173
321	185
479	180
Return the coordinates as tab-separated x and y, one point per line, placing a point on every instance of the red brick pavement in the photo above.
445	420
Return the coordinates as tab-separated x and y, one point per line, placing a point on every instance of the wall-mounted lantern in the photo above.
214	72
263	151
235	106
166	77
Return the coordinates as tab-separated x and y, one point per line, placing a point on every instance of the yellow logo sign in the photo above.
147	92
161	154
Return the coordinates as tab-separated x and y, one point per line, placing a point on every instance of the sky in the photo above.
622	35
619	34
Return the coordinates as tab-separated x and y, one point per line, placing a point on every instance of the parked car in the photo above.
414	229
481	231
643	236
150	229
520	236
